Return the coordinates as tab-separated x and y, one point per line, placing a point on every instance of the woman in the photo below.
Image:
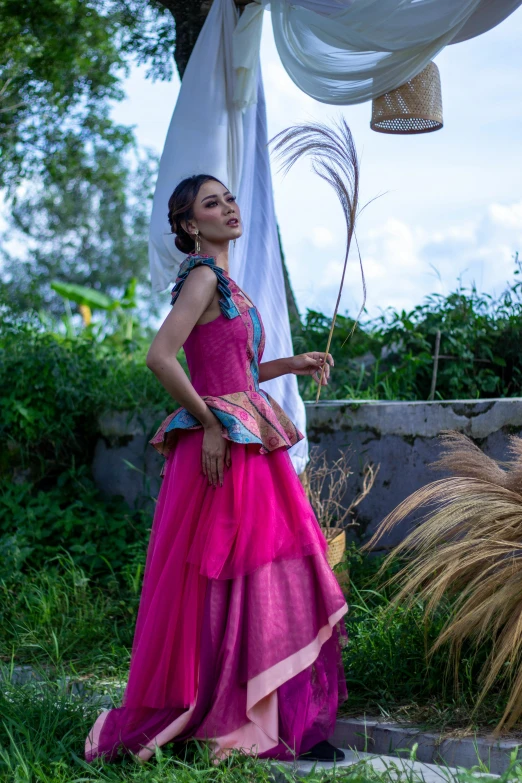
240	623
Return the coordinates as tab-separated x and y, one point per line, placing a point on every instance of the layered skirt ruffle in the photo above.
240	623
246	417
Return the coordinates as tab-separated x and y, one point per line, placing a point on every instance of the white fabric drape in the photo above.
489	14
209	134
205	134
256	266
338	51
350	51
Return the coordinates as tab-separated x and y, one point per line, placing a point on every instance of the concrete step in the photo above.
378	736
392	767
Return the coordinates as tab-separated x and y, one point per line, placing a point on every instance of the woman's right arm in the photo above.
194	298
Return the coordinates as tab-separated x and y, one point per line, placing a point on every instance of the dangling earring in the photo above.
234	244
197	242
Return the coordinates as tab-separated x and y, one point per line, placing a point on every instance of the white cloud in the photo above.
509	217
393	240
321	236
404	263
480	252
451	203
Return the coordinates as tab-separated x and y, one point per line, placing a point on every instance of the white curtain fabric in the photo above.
350	51
209	134
488	14
205	134
256	266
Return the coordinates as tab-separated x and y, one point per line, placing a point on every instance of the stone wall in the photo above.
124	462
402	437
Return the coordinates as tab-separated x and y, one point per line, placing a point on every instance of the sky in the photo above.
451	203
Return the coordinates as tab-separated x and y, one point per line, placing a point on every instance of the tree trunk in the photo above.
189	16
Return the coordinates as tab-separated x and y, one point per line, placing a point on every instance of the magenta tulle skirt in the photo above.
240	624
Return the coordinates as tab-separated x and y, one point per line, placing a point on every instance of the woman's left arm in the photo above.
310	363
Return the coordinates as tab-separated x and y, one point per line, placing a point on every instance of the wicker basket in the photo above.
336	538
414	107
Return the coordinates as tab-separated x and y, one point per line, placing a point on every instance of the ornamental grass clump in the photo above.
469	548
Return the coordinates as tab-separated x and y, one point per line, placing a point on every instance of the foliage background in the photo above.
391	357
56	379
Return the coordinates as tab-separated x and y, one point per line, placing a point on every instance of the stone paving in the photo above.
394	767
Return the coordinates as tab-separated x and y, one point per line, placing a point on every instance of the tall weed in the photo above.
58	615
388	661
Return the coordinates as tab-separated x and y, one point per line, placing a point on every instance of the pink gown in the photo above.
240	624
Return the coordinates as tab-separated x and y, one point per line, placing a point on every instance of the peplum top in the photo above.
223	358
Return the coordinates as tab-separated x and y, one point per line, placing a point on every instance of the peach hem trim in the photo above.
256	736
168	734
262	730
91	743
266	682
261	733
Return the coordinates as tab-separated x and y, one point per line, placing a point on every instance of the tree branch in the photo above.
189	16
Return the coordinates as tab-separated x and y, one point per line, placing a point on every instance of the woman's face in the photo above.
216	213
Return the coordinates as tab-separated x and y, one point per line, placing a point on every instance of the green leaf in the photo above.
84	296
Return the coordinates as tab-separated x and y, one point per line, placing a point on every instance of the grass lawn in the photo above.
71	628
43	727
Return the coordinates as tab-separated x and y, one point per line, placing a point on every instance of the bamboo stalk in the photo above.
435	366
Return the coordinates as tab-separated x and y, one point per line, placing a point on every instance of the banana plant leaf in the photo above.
83	295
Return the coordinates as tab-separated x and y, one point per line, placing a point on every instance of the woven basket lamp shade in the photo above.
414	107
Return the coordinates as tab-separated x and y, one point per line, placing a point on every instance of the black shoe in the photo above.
323	751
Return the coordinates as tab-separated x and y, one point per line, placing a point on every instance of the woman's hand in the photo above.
311	363
215	454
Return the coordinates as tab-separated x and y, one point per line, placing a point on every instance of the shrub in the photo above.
388	663
100	535
52	390
391	357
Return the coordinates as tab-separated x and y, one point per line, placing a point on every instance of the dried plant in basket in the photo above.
326	483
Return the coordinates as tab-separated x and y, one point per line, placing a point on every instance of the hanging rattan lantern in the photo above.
414	107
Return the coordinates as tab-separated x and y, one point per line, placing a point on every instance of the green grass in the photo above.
389	671
62	620
72	627
43	729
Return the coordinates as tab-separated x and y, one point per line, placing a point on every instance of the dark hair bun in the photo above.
184	241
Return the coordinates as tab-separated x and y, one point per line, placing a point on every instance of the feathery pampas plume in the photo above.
469	545
334	158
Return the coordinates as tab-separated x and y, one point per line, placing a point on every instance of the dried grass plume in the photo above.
334	159
469	546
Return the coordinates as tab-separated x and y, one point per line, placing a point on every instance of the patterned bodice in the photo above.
223	355
223	358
